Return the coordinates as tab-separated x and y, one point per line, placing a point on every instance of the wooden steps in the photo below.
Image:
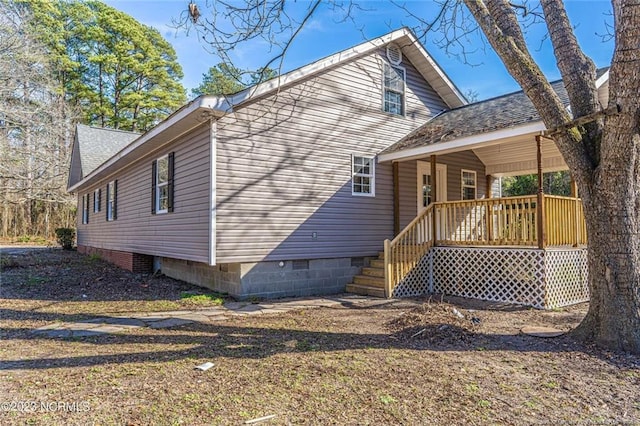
371	281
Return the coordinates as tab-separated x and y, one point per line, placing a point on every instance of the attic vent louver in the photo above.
394	54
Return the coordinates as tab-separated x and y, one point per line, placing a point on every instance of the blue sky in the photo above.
325	35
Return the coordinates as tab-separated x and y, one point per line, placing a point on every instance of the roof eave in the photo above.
192	114
463	143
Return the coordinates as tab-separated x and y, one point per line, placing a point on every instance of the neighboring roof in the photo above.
205	106
510	110
96	145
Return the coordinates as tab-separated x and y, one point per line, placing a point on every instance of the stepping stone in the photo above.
82	326
96	321
213	312
170	322
249	309
108	329
194	317
53	326
234	305
86	333
150	318
541	331
126	322
58	333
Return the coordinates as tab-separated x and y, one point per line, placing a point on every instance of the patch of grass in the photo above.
8	263
35	280
387	399
551	384
305	346
31	239
483	403
94	257
202	298
472	387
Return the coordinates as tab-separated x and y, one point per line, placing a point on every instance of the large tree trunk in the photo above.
613	212
603	155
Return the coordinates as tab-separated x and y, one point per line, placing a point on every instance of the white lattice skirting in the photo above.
541	278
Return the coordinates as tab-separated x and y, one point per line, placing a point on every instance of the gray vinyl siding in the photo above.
181	234
455	163
283	166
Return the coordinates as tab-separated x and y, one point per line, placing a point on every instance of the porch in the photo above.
468	240
527	250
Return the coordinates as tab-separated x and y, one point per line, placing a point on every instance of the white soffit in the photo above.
519	156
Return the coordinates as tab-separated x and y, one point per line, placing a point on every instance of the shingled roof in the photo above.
93	146
510	110
97	145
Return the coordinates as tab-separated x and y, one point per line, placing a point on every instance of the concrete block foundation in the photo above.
270	279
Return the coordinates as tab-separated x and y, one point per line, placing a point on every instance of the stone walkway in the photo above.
121	323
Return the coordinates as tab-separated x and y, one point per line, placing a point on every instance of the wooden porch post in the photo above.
574	194
541	230
434	196
489	209
574	188
396	199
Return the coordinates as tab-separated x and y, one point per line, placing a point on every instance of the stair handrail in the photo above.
394	272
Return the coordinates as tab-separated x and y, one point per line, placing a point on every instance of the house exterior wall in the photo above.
455	162
181	234
284	166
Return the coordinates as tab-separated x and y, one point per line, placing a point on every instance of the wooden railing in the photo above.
491	221
510	221
564	221
407	249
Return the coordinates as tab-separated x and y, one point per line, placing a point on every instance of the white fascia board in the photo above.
217	105
603	79
465	143
447	82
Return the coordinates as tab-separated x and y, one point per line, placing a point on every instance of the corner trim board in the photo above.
212	194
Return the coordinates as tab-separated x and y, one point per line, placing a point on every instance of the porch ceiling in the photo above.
519	156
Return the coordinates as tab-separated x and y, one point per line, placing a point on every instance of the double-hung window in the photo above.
97	199
394	88
162	184
363	175
469	184
112	200
85	208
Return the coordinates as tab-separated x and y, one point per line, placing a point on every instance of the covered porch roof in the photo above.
500	131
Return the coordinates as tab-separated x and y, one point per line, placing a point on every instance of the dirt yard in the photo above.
360	362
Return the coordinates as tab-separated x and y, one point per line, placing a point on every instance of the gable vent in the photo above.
394	54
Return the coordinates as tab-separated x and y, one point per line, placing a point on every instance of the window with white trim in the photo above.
85	209
162	184
112	200
363	175
97	195
393	88
469	184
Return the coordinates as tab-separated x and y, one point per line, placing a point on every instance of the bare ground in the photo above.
364	362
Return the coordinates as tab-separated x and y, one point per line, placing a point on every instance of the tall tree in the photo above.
122	74
225	79
35	129
602	148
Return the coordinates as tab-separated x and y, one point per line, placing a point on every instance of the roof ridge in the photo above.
108	129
